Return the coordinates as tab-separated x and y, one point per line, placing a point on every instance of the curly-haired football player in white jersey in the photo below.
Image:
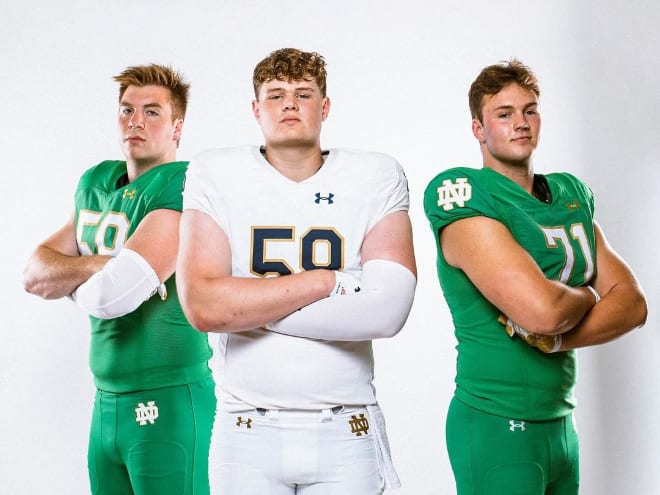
268	235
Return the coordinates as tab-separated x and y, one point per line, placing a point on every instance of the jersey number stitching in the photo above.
558	235
318	248
111	232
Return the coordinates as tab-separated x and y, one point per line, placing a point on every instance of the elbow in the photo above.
387	333
550	324
194	314
641	312
390	323
32	284
198	315
200	322
543	318
29	283
98	306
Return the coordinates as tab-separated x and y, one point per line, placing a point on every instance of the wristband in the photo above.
557	345
594	292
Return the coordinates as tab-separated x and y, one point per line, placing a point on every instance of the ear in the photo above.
325	107
255	109
478	130
178	129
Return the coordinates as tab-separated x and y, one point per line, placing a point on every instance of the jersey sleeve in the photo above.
202	184
456	194
197	189
170	197
394	190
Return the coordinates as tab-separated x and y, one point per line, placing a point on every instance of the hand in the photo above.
545	343
162	291
345	283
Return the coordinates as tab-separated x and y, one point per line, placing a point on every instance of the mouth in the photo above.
289	121
134	139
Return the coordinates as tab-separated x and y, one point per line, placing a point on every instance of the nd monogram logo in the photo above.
359	425
450	193
519	425
148	413
128	194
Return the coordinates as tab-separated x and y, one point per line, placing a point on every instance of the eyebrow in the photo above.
511	107
297	88
124	103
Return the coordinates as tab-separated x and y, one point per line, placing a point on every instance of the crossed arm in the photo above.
56	268
214	301
512	281
622	307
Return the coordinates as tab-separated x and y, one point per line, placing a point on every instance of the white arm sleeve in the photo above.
378	310
125	282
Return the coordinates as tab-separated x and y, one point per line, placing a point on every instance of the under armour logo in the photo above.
359	425
327	198
451	194
128	194
148	413
573	205
240	421
513	425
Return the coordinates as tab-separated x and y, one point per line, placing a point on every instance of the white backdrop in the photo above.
398	78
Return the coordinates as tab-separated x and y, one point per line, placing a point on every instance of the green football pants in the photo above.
492	455
153	441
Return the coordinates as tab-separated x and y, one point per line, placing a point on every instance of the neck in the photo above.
136	167
522	173
296	163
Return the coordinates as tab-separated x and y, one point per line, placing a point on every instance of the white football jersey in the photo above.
277	226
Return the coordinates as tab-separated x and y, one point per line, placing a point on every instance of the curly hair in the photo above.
290	64
157	75
493	78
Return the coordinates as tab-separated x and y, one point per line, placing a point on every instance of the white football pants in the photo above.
343	451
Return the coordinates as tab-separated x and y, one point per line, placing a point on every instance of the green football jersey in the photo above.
494	372
154	346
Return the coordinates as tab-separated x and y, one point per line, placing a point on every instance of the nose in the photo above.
135	123
521	123
290	103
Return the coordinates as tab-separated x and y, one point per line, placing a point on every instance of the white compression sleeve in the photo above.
378	310
125	282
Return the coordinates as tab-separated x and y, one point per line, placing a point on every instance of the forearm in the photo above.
619	311
378	310
234	304
124	283
51	274
562	310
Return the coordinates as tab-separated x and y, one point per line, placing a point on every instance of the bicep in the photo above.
611	270
63	240
497	265
156	239
391	239
204	250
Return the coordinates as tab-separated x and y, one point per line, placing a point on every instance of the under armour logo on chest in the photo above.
328	197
